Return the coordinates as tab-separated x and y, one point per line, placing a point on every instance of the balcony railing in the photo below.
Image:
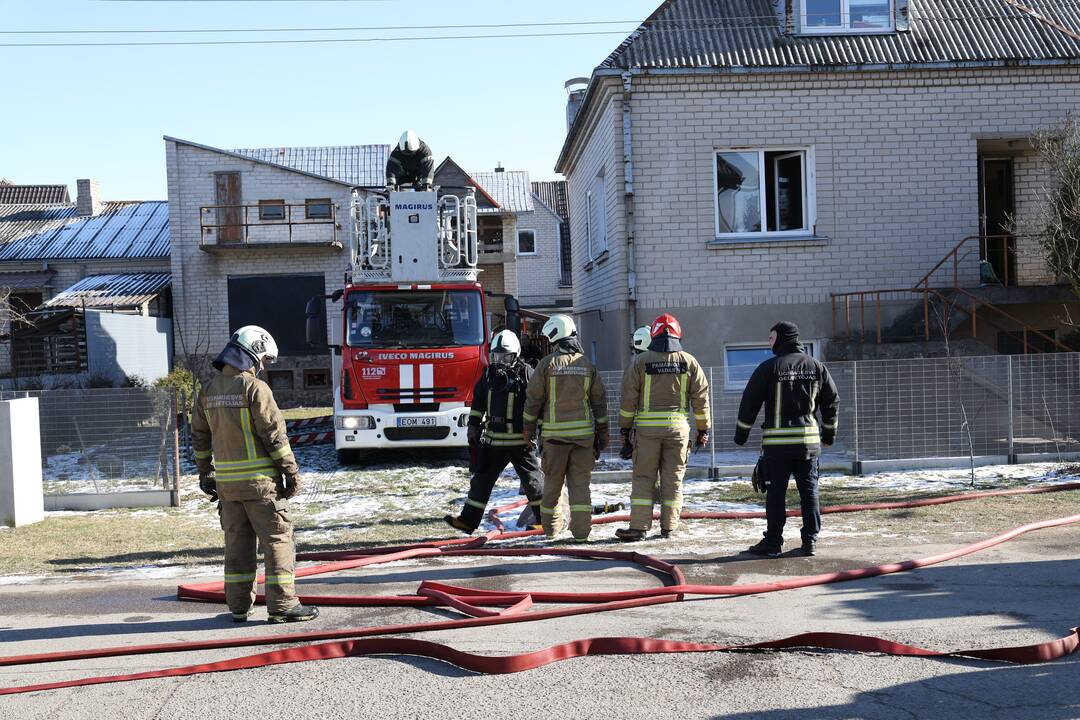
266	224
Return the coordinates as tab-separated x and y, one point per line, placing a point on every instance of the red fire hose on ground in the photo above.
515	607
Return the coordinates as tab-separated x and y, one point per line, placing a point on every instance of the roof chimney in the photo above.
89	200
499	168
576	87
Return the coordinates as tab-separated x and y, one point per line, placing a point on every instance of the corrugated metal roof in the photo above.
555	195
510	188
115	291
747	34
26	280
360	165
123	230
33	194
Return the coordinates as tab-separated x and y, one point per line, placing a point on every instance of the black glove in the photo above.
757	478
626	452
208	484
473	433
599	441
290	486
702	438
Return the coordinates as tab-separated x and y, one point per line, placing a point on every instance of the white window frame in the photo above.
809	194
844	28
813	347
595	247
517	247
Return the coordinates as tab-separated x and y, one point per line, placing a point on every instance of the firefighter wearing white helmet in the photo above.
410	163
640	340
496	423
567	393
244	460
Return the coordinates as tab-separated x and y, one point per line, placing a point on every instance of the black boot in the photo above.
297	613
765	549
809	548
629	535
458	524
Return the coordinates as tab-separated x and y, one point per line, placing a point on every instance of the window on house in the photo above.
316	379
526	242
317	209
596	217
740	361
280	379
763	191
271	210
823	16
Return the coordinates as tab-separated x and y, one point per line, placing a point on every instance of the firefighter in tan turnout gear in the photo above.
660	389
566	391
245	462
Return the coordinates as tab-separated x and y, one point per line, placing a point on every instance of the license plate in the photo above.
404	422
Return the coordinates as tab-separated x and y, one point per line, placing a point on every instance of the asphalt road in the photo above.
1025	591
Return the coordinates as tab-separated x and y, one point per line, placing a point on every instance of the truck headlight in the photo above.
355	422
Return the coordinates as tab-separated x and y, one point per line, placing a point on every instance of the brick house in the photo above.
58	255
256	232
739	162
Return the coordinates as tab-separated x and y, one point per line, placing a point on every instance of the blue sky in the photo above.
100	112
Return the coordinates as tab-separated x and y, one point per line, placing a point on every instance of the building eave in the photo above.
257	161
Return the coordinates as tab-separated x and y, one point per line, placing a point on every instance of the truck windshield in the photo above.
415	318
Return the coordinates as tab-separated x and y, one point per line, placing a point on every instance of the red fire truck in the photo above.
414	323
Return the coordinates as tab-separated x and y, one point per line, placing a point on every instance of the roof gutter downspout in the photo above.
628	205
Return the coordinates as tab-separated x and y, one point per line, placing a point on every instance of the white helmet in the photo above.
505	348
409	142
559	327
641	339
256	342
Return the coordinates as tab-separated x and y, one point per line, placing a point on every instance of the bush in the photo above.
181	380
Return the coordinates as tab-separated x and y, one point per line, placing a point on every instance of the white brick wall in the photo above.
538	274
896	185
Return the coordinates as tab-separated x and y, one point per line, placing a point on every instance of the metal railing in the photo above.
1007	408
949	296
223	225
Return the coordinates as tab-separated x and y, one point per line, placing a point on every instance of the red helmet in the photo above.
666	325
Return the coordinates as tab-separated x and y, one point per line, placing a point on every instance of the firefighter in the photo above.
639	341
244	460
660	389
495	434
410	163
792	386
567	391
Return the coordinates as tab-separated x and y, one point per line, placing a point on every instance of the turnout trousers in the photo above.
665	455
268	522
491	461
570	464
778	471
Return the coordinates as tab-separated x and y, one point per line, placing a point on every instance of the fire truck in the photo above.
411	341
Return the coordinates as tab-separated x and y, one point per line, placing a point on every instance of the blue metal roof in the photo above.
114	291
135	230
748	34
360	165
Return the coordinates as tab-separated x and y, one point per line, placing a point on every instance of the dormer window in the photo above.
847	16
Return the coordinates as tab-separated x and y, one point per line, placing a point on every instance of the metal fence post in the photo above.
1012	449
174	496
713	474
856	466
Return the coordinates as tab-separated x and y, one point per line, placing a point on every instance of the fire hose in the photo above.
516	607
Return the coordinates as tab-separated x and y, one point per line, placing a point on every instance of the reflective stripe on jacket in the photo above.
660	390
238	432
568	393
498	406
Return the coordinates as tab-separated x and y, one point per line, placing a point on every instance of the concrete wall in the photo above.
122	346
895	176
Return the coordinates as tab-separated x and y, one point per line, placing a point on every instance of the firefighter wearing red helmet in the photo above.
661	390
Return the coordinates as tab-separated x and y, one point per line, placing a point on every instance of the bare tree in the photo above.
1056	218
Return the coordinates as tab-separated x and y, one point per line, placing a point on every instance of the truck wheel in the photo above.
349	457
